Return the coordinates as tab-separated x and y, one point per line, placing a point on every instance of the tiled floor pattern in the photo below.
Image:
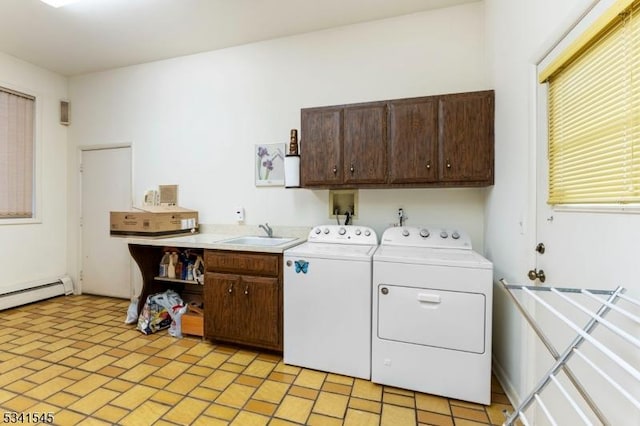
74	357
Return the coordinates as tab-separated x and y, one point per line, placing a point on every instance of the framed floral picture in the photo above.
269	164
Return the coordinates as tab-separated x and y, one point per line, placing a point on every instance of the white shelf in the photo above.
176	280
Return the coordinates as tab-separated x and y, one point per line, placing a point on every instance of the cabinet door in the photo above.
243	309
321	147
466	137
221	313
365	143
413	140
258	301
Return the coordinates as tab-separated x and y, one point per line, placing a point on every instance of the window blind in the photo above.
16	154
594	118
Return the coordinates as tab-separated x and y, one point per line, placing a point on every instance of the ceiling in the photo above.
95	35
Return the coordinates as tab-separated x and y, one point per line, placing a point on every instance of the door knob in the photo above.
537	273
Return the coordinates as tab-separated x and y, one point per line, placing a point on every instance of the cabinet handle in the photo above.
448	164
352	169
230	289
335	170
428	165
246	290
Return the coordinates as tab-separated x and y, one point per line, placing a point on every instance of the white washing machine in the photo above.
327	300
431	316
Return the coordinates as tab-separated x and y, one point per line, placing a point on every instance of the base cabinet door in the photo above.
258	304
243	309
221	319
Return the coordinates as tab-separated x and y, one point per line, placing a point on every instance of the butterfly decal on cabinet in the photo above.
301	266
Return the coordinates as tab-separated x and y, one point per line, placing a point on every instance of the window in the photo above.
594	113
16	154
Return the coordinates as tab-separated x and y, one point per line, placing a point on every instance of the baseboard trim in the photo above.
501	375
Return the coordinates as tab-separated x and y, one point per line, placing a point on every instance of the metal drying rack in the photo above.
588	409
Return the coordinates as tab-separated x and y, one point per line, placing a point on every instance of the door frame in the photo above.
80	152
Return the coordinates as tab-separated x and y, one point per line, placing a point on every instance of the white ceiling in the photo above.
94	35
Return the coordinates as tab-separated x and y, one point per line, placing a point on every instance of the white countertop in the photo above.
213	241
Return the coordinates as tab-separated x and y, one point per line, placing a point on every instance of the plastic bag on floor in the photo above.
132	312
175	329
158	311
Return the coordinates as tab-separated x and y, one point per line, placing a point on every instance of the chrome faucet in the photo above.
267	229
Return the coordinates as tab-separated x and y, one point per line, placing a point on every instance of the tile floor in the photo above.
75	358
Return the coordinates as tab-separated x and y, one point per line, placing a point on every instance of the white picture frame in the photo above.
269	164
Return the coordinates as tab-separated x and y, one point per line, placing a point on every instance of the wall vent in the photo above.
64	113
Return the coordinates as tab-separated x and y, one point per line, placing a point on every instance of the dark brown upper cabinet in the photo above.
413	140
434	141
466	137
365	142
321	151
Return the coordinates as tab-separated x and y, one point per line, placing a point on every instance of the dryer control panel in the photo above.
343	234
426	236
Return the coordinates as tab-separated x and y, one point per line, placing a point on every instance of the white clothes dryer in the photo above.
327	300
431	314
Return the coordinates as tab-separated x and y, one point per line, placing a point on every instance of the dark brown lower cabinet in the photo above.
243	308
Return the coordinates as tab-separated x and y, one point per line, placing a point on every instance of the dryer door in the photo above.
444	319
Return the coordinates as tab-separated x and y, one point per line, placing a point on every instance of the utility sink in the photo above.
258	241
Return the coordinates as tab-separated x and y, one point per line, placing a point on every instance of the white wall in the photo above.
35	251
194	120
516	34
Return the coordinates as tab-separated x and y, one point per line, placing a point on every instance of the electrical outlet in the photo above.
239	212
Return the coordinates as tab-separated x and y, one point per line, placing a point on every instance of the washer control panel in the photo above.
426	236
343	234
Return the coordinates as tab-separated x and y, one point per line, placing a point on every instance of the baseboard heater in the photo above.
21	294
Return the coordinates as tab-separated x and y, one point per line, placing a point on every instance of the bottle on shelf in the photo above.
164	265
178	266
190	272
184	261
171	269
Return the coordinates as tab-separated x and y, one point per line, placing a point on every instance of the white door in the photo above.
593	248
583	247
106	186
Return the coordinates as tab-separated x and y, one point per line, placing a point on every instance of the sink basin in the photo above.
258	241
